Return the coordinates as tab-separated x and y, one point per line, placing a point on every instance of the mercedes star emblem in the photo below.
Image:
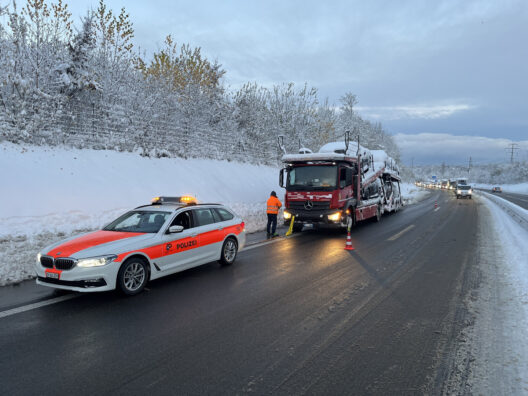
308	205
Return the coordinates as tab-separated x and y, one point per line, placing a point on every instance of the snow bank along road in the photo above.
518	199
300	315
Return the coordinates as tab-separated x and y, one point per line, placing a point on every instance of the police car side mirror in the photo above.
175	229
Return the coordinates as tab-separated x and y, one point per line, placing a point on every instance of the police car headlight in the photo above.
287	215
38	257
335	216
96	261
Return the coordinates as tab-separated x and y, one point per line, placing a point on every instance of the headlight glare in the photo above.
38	257
335	216
287	215
96	261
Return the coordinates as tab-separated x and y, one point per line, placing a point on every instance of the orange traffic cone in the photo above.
348	244
436	205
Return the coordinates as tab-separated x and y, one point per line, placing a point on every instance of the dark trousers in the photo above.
272	223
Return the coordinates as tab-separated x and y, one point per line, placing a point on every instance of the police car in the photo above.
170	235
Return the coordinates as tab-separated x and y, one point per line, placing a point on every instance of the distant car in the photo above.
496	190
464	191
168	236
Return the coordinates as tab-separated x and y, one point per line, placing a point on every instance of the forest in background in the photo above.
87	86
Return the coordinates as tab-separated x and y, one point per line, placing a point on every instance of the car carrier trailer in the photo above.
342	183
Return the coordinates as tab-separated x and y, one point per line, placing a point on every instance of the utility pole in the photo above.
512	147
469	166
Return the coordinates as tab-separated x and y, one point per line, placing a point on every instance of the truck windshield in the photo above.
312	177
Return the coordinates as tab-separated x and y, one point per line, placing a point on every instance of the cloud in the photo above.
429	112
435	148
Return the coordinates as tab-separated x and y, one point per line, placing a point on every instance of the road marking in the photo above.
36	305
436	209
264	243
399	234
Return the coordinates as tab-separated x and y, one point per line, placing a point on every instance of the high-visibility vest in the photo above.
273	205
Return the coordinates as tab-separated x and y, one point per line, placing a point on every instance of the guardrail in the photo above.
519	214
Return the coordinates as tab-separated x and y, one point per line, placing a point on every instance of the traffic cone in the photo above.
436	205
348	244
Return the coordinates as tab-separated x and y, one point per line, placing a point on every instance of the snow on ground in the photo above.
521	188
497	341
412	193
52	193
62	190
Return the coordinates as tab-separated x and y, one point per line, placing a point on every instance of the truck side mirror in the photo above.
281	178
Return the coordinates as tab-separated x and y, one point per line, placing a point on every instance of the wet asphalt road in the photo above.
298	316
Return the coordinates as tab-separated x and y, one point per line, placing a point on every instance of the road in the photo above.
297	316
518	199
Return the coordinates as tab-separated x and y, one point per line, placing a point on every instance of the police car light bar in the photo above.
184	199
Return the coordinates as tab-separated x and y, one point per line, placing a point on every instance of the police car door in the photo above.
211	234
179	249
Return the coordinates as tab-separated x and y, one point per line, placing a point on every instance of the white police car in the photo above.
170	235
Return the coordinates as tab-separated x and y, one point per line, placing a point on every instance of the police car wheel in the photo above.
132	276
229	252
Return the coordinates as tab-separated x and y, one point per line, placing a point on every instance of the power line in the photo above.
512	147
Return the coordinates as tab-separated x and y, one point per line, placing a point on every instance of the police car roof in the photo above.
162	208
173	206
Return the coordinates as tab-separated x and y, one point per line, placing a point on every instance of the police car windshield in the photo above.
139	221
312	177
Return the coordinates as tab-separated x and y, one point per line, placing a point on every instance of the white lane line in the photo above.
399	234
437	209
36	305
259	244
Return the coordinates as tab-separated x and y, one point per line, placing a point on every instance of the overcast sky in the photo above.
419	67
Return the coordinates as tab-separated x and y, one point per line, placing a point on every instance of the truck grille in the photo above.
46	262
64	263
299	205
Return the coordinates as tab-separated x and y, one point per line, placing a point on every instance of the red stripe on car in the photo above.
88	241
180	245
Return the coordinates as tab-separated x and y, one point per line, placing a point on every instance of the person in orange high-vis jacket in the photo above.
273	210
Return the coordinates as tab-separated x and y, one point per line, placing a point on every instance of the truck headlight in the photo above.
335	216
287	215
459	192
96	261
